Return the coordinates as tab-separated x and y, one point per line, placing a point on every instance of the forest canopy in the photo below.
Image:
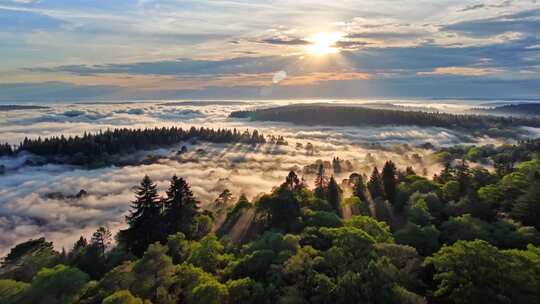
465	235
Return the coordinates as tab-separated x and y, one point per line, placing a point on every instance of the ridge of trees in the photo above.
361	116
105	148
126	140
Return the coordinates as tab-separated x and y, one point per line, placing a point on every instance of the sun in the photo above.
324	43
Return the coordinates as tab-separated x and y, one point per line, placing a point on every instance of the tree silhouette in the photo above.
320	183
333	194
375	185
389	181
180	208
102	239
145	225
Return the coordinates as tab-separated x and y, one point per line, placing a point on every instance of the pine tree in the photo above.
374	184
144	219
102	239
333	194
292	182
181	208
463	176
320	183
224	198
359	187
389	180
81	243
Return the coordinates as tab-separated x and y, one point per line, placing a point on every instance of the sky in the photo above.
63	50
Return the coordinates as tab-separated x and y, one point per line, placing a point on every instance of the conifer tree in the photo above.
144	219
359	187
374	184
181	208
292	182
463	176
389	180
224	198
333	194
81	243
320	183
102	239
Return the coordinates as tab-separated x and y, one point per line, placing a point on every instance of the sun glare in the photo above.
324	43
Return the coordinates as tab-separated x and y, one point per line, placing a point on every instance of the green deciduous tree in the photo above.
207	254
424	239
477	272
27	258
379	231
122	297
527	207
58	285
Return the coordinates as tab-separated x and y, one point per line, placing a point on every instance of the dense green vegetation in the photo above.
467	235
339	115
96	149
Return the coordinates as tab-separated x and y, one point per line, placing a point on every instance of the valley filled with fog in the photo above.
42	200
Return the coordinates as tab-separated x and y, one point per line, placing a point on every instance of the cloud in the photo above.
472	7
250	65
285	41
462	71
525	22
478	6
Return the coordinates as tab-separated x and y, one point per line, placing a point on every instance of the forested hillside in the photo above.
470	234
337	115
96	148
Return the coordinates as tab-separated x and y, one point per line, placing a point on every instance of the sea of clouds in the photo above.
27	211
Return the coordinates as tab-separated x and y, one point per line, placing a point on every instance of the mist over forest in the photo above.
245	188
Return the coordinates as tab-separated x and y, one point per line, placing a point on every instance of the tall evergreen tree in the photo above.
292	182
144	219
181	208
463	177
359	187
375	185
223	199
102	239
389	180
320	183
333	194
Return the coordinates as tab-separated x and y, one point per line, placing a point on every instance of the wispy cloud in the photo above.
462	71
